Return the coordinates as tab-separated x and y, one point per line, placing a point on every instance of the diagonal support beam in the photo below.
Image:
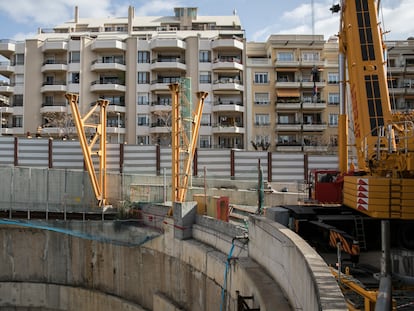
98	181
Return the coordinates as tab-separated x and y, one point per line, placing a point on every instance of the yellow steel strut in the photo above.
98	181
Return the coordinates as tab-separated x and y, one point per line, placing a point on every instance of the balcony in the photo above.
54	107
6	69
108	86
175	63
221	128
6	88
287	84
287	63
53	86
228	84
162	84
6	110
228	63
288	127
315	127
160	128
116	108
319	105
311	84
158	106
228	106
167	43
282	105
7	48
108	44
227	44
54	45
110	129
99	65
312	63
54	65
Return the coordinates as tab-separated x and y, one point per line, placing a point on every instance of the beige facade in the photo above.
294	93
129	61
277	95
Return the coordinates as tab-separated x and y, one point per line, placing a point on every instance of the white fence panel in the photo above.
246	164
216	162
140	160
6	150
33	152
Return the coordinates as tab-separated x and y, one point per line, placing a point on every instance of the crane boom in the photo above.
384	141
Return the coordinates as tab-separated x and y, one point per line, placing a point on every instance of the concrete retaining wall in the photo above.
298	269
35	296
276	267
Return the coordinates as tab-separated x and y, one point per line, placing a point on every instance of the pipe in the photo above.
229	256
384	298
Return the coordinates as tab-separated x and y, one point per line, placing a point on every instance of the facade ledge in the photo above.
108	44
228	130
167	43
54	45
227	43
314	127
97	66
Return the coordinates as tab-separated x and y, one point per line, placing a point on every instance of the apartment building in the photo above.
130	62
277	95
400	69
294	93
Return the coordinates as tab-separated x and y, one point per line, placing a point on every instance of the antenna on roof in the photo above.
234	12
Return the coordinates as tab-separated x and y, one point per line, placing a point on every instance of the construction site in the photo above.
103	237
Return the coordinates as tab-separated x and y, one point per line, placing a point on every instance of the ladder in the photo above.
360	232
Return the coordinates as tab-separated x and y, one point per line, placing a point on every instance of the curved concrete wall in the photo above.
298	269
166	273
183	275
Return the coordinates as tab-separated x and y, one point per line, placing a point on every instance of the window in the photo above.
284	119
142	120
333	119
287	140
310	56
205	120
261	98
262	119
285	56
143	77
262	139
333	140
48	100
19	59
204	56
17	121
142	99
143	57
333	98
18	100
205	77
333	78
74	77
261	78
205	141
74	57
143	140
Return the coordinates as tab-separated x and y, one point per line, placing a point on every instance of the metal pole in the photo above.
119	127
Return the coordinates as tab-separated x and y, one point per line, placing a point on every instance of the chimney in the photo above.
76	14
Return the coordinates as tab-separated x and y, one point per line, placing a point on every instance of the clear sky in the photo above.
259	18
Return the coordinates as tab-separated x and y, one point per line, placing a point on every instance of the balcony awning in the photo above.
288	93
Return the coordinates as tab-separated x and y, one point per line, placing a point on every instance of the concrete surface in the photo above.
272	265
